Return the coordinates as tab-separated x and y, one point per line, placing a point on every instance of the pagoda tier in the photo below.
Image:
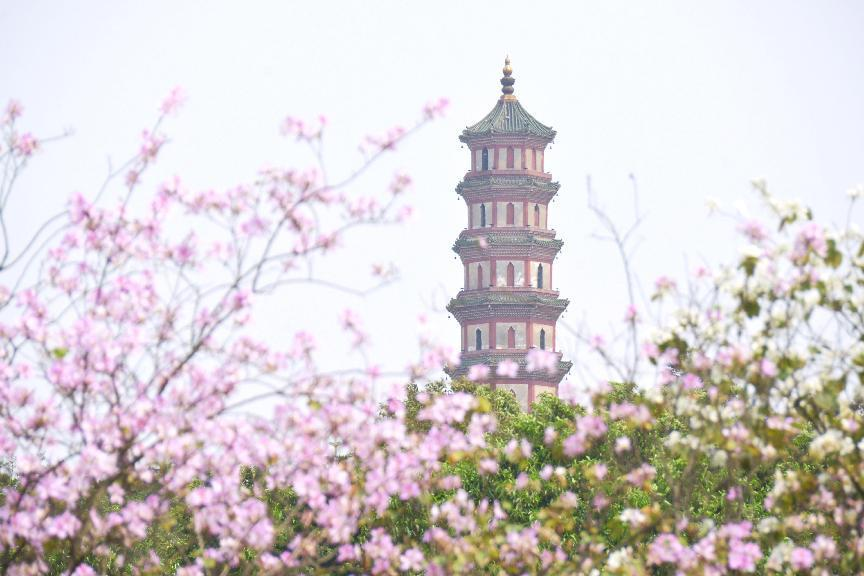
507	186
505	304
508	305
473	245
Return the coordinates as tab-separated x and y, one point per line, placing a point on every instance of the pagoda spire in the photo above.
507	81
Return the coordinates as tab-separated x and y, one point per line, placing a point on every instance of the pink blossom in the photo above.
240	299
650	350
255	226
436	108
507	369
373	371
488	466
404	213
380	143
811	237
449	408
622	444
14	109
175	99
664	284
25	144
347	553
295	127
451	482
754	230
691	381
591	426
801	558
599	470
600	501
352	323
743	555
631	314
667	548
150	145
478	372
62	526
538	359
574	445
587	427
702	272
824	548
411	560
400	183
638	414
641	475
768	368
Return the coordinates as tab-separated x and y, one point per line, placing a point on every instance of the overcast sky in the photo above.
693	98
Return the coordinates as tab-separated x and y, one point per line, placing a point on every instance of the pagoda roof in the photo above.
508	117
514	181
493	297
497	237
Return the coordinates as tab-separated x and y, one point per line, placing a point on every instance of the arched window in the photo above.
511	214
482	215
537	215
539	276
542	339
485	159
479	276
511	275
510	160
511	338
478	339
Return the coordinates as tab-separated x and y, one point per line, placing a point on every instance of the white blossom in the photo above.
831	442
633	517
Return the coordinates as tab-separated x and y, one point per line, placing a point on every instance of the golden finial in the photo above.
507	81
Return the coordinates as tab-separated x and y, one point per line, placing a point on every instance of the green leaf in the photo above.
750	307
834	257
749	264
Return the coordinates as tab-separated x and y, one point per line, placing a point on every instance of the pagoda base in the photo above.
526	386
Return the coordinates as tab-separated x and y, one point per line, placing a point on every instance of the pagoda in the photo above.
508	304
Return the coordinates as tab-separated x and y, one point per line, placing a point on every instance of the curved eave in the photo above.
508	117
470	248
529	303
529	297
484	182
494	237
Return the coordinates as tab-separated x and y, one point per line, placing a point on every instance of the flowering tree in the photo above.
126	361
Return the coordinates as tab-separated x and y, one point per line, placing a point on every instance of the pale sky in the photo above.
693	98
